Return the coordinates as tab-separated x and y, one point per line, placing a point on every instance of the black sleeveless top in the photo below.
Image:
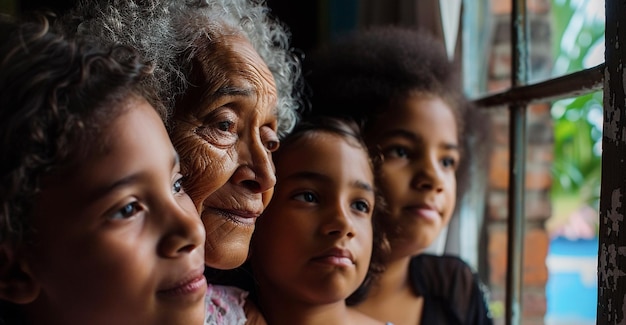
453	293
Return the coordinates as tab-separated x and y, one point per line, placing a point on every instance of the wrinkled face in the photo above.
225	132
314	242
420	147
117	239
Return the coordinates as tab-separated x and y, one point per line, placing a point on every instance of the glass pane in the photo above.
571	290
572	40
564	36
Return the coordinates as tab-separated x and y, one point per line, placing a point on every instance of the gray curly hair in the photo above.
162	30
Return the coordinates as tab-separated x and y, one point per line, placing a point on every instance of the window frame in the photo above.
612	246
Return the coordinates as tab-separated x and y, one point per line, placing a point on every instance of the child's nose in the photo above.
183	229
338	222
428	175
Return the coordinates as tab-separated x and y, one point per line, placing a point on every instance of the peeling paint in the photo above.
614	215
610	256
623	84
609	275
611	127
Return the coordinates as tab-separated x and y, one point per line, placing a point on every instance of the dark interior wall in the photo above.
310	22
303	20
302	17
55	6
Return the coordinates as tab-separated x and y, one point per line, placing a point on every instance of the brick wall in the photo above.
538	163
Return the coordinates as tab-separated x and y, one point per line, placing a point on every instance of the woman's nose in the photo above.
255	170
183	231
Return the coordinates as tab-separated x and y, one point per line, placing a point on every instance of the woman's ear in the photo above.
17	284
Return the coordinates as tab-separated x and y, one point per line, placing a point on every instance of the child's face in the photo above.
117	240
314	241
419	143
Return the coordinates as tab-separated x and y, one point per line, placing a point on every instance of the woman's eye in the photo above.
127	211
269	138
222	133
272	145
305	197
361	206
225	126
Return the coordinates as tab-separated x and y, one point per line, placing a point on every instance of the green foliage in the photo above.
577	122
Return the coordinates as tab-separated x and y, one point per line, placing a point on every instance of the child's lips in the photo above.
336	256
193	282
423	211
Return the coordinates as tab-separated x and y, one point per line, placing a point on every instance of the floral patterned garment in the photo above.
224	305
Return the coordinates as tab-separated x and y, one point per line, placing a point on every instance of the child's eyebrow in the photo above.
415	138
308	175
364	186
104	190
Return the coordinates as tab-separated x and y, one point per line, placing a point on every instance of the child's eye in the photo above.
127	211
177	187
396	152
449	162
361	206
305	197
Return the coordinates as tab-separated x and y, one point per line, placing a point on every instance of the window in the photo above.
522	95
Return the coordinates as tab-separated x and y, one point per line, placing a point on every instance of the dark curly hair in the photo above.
57	96
364	72
168	33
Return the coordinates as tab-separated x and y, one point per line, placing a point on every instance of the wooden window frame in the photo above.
611	78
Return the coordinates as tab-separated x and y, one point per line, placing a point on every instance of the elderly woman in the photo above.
227	84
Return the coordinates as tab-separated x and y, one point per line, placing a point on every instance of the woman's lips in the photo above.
238	216
189	285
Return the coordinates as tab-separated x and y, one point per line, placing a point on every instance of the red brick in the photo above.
536	6
499	169
538	205
535	272
497	205
538	178
543	154
503	7
500	7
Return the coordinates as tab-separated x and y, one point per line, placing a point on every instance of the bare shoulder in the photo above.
253	314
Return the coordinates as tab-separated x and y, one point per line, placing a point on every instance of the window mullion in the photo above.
517	162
